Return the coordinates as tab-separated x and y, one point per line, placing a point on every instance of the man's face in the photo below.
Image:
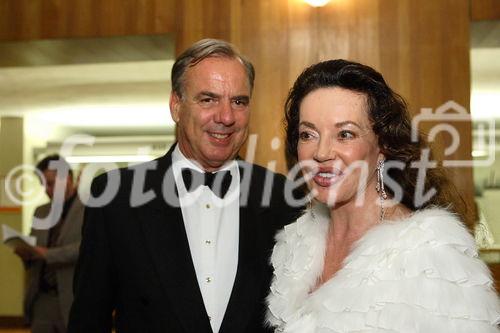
213	112
51	179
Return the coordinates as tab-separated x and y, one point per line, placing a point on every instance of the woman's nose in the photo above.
325	151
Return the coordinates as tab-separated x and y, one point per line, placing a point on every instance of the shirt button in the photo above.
208	279
208	242
209	318
207	206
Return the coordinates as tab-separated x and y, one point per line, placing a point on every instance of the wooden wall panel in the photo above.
422	48
37	19
495	271
279	52
485	10
197	19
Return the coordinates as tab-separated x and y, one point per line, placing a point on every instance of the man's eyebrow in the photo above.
207	93
244	97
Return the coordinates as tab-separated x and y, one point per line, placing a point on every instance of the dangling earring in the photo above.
310	206
380	187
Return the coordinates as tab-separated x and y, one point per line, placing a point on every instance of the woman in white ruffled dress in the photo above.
382	247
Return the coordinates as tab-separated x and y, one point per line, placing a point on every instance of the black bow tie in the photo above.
218	182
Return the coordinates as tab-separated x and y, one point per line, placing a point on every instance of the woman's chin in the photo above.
329	198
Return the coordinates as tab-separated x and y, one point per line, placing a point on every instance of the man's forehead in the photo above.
213	67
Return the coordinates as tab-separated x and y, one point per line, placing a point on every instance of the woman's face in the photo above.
337	146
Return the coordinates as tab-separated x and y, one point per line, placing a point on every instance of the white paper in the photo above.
9	233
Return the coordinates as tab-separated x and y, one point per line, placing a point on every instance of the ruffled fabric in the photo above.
420	274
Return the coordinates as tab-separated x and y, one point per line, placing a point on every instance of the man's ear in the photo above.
175	105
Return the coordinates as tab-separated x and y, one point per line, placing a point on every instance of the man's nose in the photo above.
225	114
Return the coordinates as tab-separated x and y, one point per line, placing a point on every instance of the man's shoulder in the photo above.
271	189
259	172
43	210
123	177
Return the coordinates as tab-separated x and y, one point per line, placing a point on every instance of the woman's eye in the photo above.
346	135
304	135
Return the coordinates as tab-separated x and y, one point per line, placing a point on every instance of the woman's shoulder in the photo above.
304	236
431	227
297	259
431	243
424	267
311	223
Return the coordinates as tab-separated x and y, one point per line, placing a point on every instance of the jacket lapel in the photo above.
74	216
246	288
168	245
246	285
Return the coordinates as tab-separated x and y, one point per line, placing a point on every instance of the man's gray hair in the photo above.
203	49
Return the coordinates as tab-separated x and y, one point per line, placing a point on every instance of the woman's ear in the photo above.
381	155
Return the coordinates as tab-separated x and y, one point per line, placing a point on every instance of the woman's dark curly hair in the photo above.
390	120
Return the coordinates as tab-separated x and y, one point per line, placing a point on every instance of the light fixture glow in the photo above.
317	3
479	153
484	104
138	114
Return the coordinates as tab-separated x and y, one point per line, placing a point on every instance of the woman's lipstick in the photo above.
326	177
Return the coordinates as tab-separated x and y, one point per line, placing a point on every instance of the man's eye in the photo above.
207	102
240	103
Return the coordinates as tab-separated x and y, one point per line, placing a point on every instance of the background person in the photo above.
201	263
367	266
50	294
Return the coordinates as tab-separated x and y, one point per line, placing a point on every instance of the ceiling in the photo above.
86	51
94	98
121	85
107	86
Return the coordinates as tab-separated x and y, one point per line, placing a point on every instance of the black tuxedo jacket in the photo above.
135	259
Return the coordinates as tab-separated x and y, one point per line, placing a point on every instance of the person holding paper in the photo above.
51	264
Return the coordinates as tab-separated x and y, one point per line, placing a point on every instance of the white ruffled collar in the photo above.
298	256
298	260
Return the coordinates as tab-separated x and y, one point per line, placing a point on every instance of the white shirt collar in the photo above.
180	160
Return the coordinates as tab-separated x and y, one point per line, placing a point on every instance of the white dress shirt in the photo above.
212	228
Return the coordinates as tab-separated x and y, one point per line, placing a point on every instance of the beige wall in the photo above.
12	276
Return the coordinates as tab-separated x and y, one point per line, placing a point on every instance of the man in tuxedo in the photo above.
182	245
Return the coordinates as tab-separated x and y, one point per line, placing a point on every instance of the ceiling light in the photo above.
317	3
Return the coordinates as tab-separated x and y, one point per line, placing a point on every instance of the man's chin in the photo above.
216	161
